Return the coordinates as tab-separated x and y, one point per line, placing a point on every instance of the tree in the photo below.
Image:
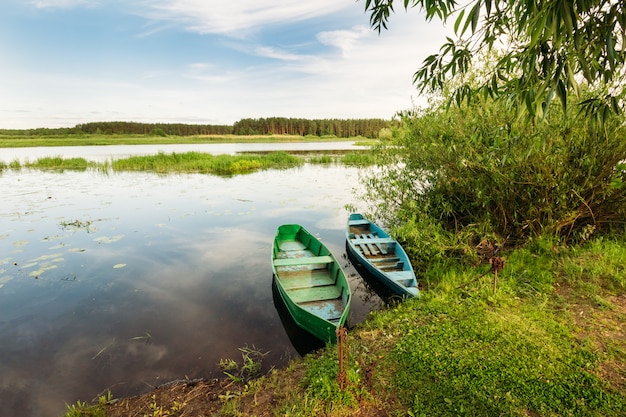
547	48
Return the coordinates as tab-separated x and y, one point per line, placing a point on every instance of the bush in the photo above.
480	171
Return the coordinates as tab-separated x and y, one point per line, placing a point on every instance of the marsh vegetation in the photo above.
195	162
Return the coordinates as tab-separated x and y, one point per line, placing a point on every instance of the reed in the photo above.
59	163
206	163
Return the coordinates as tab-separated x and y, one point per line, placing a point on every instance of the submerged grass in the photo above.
360	159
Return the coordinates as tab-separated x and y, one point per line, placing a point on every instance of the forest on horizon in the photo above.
342	128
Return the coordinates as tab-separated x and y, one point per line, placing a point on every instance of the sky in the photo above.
66	62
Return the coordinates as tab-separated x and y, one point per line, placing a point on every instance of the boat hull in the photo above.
310	282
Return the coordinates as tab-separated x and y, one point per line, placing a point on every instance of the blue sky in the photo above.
66	62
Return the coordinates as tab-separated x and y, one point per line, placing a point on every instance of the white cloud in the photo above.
345	40
276	53
237	18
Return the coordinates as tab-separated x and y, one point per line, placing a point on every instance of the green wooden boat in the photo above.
310	282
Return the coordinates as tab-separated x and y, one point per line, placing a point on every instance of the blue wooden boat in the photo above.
381	256
310	281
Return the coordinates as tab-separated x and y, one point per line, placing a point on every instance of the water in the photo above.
125	281
104	153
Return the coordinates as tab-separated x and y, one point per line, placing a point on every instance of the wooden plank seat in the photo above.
402	277
372	243
397	267
306	260
306	279
359	241
385	260
304	295
360	222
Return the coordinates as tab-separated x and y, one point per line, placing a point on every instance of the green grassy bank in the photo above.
548	341
21	141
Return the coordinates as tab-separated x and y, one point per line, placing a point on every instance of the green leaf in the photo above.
476	15
458	21
610	49
562	93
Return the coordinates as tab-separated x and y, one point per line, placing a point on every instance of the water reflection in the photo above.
126	281
303	341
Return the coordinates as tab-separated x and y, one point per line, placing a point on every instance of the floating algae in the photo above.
107	239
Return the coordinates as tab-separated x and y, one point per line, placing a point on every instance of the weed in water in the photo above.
82	409
251	367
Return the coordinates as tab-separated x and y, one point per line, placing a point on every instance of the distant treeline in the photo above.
273	125
343	128
132	128
128	128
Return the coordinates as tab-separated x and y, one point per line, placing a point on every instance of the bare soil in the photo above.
188	399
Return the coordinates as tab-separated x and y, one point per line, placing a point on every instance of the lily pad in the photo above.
42	270
108	239
44	257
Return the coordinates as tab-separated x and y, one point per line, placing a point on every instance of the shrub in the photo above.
480	171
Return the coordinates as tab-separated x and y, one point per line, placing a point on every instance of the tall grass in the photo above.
206	163
60	163
194	162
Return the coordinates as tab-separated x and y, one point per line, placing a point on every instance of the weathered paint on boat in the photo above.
381	256
310	282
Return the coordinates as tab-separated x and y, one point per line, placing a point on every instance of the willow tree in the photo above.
546	49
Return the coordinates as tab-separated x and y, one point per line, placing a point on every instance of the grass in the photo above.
206	163
18	141
82	409
59	163
549	342
193	162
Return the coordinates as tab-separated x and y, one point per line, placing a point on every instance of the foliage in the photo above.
342	128
317	127
548	48
251	367
359	159
206	163
477	172
60	163
82	409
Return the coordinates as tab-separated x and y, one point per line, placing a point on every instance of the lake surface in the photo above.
125	281
104	153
